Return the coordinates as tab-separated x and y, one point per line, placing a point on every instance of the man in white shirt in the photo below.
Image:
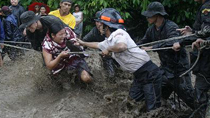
147	77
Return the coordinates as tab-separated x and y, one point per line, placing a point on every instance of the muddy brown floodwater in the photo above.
27	90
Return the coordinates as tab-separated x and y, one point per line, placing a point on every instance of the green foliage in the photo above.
180	11
4	2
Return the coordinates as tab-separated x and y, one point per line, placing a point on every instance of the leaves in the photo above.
180	11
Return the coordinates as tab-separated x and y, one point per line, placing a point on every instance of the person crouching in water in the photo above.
147	77
56	53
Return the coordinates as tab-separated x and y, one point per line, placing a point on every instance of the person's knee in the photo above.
85	77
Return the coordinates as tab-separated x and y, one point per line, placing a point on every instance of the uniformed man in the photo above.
147	77
202	68
172	63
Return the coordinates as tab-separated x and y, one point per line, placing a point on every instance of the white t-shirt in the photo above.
78	16
130	59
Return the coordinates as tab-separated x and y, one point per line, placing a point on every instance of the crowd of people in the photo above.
59	32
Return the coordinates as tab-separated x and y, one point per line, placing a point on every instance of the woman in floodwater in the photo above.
56	53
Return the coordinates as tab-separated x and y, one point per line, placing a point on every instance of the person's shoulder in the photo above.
171	24
55	12
150	28
71	16
119	33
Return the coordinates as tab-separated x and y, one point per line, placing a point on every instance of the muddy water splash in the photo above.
27	90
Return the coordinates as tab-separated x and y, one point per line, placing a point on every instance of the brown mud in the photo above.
27	90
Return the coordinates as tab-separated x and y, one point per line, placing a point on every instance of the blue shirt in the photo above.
2	35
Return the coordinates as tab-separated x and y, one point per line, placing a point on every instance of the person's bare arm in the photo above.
88	44
50	63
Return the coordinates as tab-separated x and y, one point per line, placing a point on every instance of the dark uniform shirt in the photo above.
169	59
94	36
202	19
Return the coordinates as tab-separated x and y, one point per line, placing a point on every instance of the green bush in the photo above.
180	11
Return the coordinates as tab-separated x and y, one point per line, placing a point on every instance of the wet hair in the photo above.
111	29
55	28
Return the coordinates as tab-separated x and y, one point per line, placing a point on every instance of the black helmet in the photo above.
97	16
111	18
153	9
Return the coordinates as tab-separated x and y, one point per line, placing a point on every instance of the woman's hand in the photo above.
64	54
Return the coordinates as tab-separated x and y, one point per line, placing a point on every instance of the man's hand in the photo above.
80	42
146	48
105	52
176	46
197	43
186	30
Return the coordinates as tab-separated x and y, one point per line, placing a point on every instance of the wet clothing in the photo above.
202	19
108	63
12	33
137	61
36	38
172	63
147	85
68	19
93	36
17	11
129	60
55	49
2	35
202	68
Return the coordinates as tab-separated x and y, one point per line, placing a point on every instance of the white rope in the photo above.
16	42
8	45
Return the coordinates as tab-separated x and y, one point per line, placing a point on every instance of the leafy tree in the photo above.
180	11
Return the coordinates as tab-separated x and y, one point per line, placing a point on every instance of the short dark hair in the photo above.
66	1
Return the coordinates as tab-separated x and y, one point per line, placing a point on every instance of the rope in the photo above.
157	49
84	52
165	40
196	61
16	42
16	47
202	105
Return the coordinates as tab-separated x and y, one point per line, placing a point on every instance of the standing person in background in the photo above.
43	11
79	20
17	10
2	37
64	13
37	9
12	32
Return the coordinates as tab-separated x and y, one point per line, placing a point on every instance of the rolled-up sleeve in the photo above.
103	45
